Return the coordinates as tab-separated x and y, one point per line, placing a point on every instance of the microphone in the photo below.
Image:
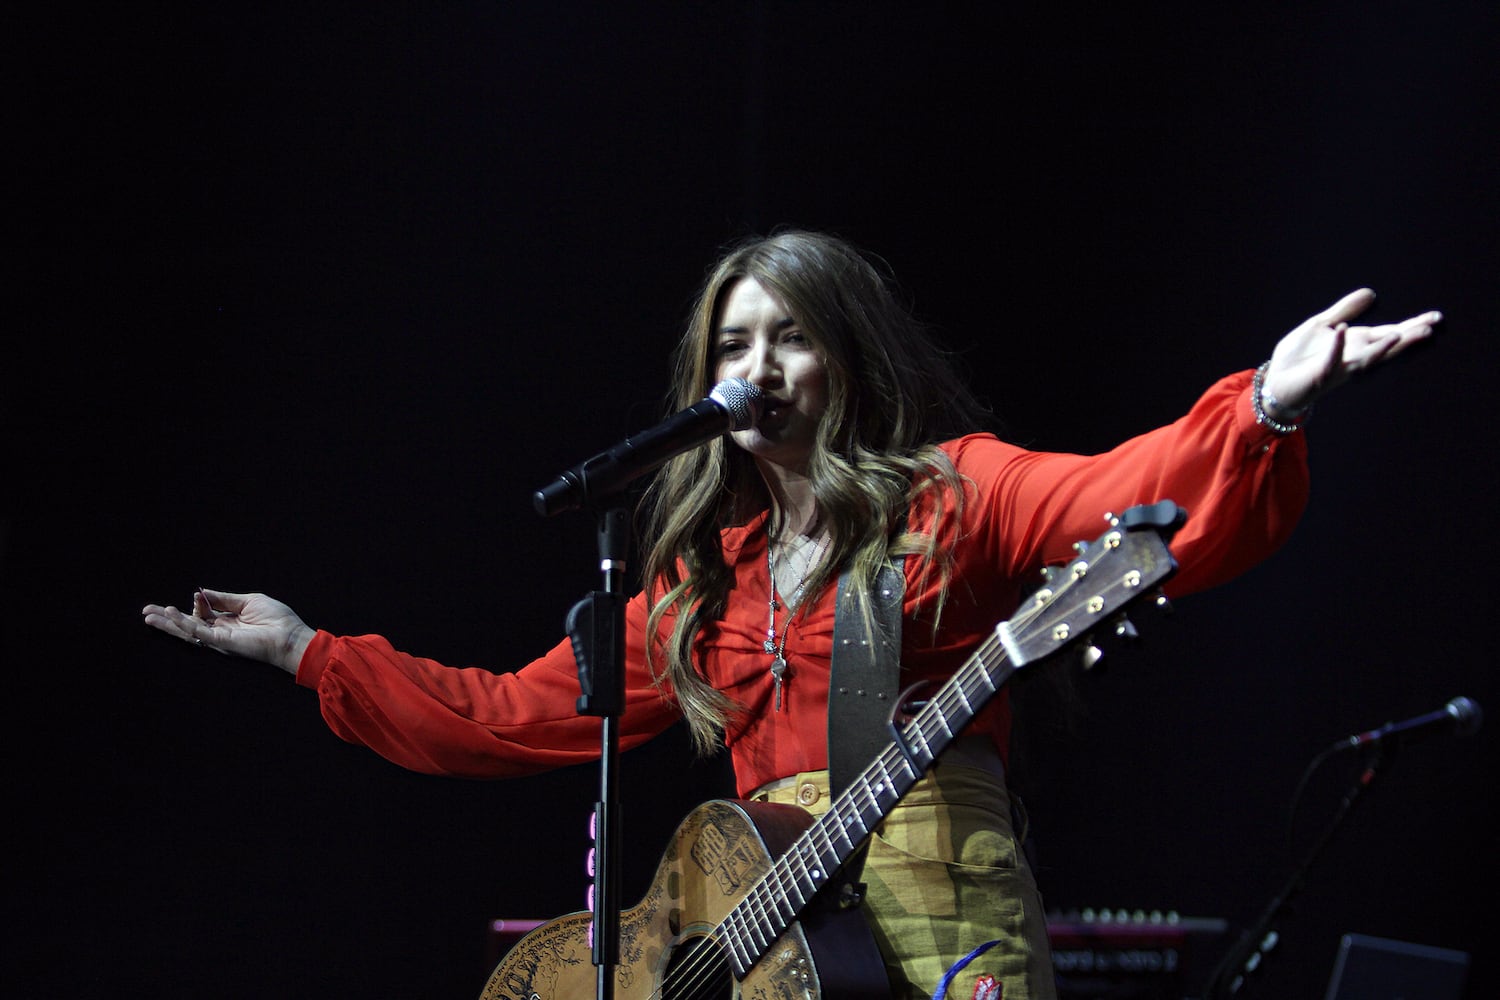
733	405
1462	715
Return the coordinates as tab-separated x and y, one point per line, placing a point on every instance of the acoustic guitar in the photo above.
747	902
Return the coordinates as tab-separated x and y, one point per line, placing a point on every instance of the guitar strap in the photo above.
863	686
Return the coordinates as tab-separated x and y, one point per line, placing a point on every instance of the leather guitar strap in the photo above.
863	686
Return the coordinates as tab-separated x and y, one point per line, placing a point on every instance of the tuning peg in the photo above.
1090	655
1125	629
1162	604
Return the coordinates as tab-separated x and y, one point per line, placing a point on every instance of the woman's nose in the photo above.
764	367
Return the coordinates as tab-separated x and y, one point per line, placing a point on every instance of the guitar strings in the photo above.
711	961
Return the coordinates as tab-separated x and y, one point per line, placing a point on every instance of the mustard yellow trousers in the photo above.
944	876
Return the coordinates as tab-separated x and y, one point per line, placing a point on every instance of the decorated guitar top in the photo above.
732	911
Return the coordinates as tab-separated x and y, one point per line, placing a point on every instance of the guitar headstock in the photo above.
1125	565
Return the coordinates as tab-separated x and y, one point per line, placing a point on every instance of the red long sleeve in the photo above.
1243	487
472	722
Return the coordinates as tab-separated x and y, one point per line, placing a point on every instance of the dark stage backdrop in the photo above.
314	296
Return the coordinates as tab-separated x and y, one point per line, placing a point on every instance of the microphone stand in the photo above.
1230	976
596	626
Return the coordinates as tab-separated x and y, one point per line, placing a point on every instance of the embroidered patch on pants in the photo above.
986	988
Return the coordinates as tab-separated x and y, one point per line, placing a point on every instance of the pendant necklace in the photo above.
774	647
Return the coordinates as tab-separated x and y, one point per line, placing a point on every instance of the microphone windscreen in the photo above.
742	398
1467	716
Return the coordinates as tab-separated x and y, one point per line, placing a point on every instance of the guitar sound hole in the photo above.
698	970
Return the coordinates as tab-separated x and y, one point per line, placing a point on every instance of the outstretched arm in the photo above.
421	714
1324	351
249	625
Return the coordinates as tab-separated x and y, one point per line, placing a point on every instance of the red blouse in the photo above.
1243	487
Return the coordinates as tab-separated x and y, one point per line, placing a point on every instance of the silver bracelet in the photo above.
1261	397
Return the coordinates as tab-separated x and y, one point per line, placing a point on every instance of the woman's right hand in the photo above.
250	625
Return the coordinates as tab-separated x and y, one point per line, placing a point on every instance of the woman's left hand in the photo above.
1325	350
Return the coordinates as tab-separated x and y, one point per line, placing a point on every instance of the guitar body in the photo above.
667	952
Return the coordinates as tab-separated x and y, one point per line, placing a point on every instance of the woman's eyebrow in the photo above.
781	324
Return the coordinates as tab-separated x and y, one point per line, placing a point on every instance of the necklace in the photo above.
776	647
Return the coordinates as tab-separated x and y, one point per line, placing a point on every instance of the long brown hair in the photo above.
893	396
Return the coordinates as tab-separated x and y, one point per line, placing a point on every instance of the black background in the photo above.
314	296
